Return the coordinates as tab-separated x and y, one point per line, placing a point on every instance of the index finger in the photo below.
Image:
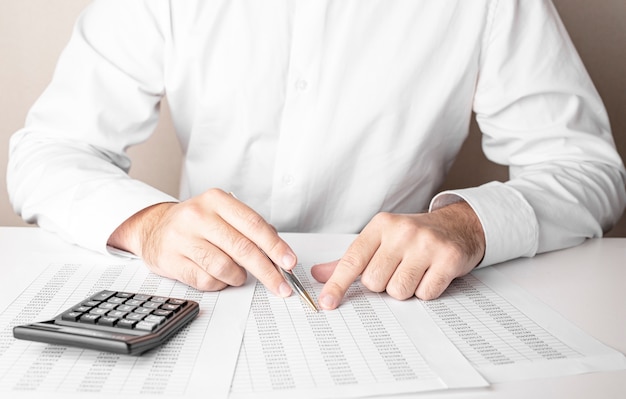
256	245
349	267
258	230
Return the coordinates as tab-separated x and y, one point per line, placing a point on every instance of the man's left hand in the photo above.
406	255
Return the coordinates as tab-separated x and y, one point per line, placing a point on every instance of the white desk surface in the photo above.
586	284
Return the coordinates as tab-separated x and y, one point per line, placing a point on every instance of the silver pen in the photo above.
291	278
297	286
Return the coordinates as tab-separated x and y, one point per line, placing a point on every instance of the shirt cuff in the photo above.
95	218
508	220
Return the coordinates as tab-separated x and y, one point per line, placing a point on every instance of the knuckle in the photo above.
440	279
213	193
212	262
189	213
384	218
275	245
399	294
206	282
402	286
376	275
408	227
218	266
203	257
372	281
270	277
214	269
427	294
254	221
188	275
243	247
332	286
199	276
435	285
351	262
239	279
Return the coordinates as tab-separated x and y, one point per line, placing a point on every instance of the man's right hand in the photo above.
207	242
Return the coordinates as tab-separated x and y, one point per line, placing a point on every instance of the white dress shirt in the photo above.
321	113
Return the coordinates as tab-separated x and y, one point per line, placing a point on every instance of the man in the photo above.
321	116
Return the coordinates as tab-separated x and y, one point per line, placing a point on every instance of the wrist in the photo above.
131	235
467	229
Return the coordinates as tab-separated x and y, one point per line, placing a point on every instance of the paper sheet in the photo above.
505	333
358	350
510	335
28	369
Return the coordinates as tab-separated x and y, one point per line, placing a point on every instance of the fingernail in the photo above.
289	261
327	301
284	290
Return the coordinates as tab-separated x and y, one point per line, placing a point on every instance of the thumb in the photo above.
322	272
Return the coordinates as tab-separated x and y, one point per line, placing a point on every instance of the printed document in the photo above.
510	335
199	359
248	343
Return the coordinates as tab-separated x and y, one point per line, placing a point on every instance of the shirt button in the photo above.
302	85
288	180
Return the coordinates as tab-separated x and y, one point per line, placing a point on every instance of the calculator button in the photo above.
71	316
126	308
117	313
98	311
159	299
133	302
108	321
103	295
125	323
135	316
163	312
177	301
124	295
143	310
91	304
141	297
89	318
117	300
146	326
82	309
151	305
155	319
107	305
169	306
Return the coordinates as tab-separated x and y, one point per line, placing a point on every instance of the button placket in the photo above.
304	63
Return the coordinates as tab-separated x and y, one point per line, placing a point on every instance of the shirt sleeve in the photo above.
540	115
67	167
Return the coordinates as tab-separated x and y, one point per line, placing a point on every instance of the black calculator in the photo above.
114	321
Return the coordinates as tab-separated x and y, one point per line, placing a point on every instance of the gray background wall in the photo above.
33	32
